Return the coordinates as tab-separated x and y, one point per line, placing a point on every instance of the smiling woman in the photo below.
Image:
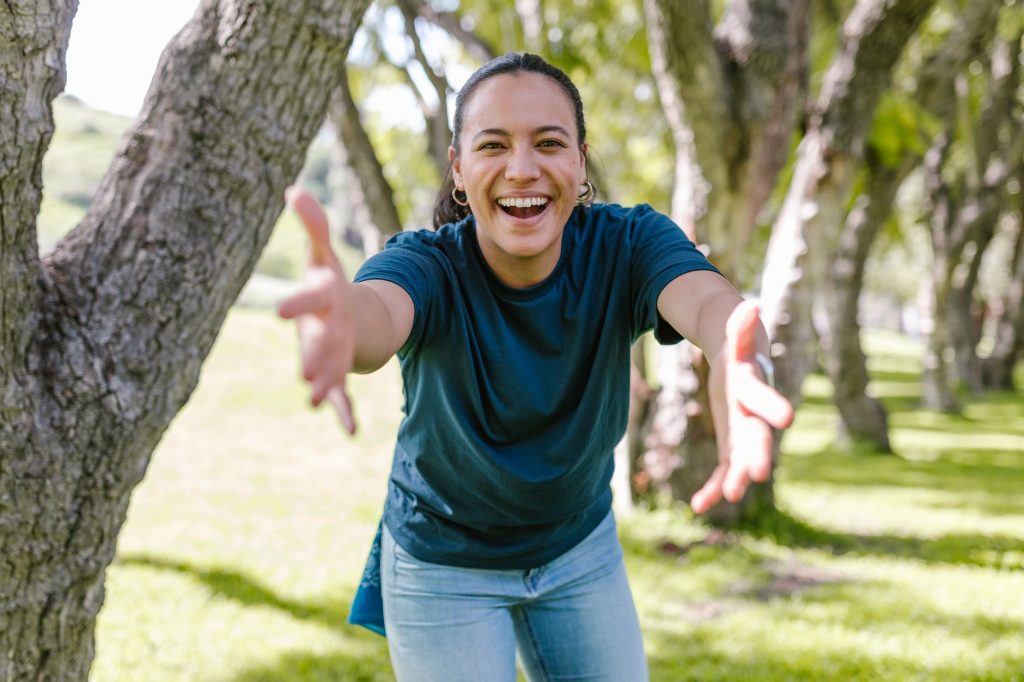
521	170
513	323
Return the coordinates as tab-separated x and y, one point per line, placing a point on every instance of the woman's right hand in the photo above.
324	312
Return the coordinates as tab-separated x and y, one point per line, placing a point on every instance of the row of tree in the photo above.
794	123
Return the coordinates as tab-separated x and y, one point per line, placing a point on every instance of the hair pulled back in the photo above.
445	208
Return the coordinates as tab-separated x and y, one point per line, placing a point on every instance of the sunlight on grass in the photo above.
245	543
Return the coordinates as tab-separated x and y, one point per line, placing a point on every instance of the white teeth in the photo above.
522	203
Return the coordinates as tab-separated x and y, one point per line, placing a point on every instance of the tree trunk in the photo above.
439	134
370	188
936	387
863	420
997	368
965	314
102	342
730	95
965	202
808	226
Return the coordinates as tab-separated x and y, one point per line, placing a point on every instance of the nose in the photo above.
522	165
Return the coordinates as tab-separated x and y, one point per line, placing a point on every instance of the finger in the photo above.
314	351
343	406
312	300
735	483
740	331
321	385
329	374
752	448
315	221
758	398
711	492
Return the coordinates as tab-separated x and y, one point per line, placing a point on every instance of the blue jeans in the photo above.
571	619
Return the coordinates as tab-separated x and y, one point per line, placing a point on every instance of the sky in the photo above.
115	46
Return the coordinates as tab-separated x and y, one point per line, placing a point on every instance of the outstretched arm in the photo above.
705	308
343	327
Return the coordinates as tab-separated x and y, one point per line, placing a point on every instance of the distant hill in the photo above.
84	143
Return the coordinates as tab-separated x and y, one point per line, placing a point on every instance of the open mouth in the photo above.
523	207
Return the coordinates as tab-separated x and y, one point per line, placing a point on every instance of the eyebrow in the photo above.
542	129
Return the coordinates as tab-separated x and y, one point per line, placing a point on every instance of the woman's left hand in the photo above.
745	409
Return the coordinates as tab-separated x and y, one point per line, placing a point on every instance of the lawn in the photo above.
245	542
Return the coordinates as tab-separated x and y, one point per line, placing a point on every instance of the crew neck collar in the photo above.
534	290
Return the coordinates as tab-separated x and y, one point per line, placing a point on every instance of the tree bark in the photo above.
45	610
730	95
863	419
369	188
102	342
809	223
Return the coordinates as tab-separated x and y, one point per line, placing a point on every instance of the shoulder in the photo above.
625	222
616	215
450	239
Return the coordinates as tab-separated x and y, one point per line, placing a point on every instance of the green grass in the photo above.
244	544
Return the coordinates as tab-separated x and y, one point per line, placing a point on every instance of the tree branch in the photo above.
439	135
691	81
141	286
361	157
874	36
873	39
477	47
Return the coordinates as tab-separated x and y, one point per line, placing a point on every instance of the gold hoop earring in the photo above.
464	201
587	193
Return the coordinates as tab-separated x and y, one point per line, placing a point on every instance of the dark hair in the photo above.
445	208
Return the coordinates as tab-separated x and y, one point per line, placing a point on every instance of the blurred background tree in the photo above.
849	161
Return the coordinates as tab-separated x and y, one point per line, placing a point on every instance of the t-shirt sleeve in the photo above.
412	262
660	252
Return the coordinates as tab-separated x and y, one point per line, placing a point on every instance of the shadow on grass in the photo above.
777	620
239	587
958	477
989	551
363	657
299	666
780	619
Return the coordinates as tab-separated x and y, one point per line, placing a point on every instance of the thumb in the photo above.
739	331
314	221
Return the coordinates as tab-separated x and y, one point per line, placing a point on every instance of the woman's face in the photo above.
521	166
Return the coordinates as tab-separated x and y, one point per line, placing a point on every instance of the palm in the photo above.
744	409
323	313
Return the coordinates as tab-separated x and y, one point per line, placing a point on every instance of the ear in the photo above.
453	158
583	163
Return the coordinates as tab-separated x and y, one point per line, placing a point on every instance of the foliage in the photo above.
877	568
601	45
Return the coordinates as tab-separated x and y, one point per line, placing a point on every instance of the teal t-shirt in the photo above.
516	398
